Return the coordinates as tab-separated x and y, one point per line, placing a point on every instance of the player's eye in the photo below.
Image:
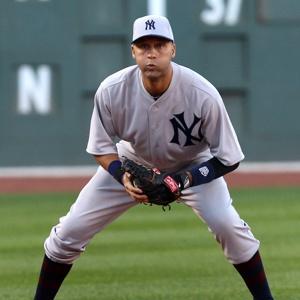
143	46
161	46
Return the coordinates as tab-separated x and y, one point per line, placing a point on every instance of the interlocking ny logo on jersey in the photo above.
179	123
149	25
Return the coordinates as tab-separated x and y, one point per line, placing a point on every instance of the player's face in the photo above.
153	56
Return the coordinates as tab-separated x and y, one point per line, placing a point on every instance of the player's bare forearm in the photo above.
111	163
106	159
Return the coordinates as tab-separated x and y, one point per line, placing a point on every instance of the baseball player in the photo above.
165	116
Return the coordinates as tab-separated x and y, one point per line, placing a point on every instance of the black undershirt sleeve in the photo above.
220	169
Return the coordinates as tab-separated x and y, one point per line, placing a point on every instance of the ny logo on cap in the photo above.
149	25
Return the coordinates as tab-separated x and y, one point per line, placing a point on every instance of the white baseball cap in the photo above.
152	25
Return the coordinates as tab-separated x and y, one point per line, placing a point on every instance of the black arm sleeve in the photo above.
220	169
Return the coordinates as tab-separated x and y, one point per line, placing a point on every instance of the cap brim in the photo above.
152	35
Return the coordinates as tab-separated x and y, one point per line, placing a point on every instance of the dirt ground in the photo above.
74	184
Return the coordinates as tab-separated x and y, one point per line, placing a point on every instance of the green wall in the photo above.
248	49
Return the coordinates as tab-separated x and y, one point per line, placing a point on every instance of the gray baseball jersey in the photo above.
188	123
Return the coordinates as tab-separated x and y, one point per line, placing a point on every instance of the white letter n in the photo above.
34	89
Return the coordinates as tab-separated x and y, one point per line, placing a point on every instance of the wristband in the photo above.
202	173
115	170
210	170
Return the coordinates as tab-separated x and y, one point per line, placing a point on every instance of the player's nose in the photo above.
152	52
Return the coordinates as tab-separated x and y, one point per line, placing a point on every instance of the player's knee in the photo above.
226	230
236	240
60	250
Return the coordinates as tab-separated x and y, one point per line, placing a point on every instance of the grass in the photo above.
148	254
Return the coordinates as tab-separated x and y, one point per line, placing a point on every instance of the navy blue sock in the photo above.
255	278
51	277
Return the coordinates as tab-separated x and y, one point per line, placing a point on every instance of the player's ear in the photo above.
174	50
132	52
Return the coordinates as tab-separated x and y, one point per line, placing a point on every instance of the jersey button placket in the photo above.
153	129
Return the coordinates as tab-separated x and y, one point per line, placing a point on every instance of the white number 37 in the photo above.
221	11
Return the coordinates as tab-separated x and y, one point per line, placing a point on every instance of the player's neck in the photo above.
157	86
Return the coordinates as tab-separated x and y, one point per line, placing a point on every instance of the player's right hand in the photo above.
135	193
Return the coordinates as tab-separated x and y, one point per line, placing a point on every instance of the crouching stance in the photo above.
167	117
